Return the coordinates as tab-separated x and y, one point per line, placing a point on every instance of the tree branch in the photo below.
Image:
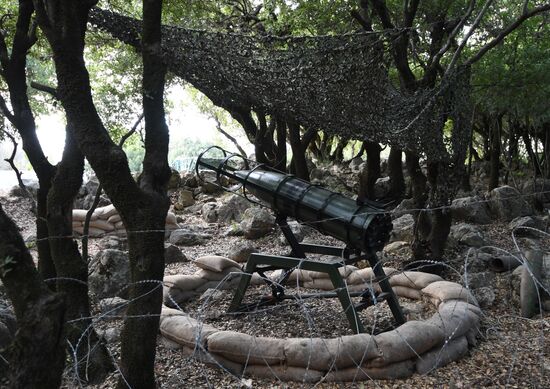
504	33
226	134
45	88
6	111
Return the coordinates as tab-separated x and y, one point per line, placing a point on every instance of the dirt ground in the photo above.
512	351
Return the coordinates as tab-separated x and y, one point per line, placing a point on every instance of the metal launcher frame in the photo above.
364	228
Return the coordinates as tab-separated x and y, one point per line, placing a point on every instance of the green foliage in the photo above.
6	265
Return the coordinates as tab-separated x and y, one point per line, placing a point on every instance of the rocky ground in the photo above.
512	351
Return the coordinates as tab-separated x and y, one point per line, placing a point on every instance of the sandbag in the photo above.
106	212
173	297
344	271
326	354
185	330
215	263
114	218
80	215
77	224
442	355
407	341
213	360
102	225
440	291
289	373
246	349
412	279
183	282
366	276
215	276
455	318
410	293
297	277
92	232
398	370
171	227
219	285
319	283
120	225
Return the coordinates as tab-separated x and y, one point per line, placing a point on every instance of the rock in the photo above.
405	207
175	180
531	222
538	191
506	203
316	174
480	280
114	242
110	335
232	208
478	261
467	234
298	231
257	222
355	164
113	307
210	187
381	187
403	229
185	199
212	295
399	247
471	209
186	237
209	212
485	296
190	180
172	254
110	275
241	251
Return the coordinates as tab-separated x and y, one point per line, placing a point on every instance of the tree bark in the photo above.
90	357
371	171
395	172
495	154
419	195
298	151
37	354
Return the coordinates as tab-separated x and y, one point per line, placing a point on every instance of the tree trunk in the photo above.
395	172
281	146
440	217
37	354
546	128
419	195
89	356
371	172
298	152
495	154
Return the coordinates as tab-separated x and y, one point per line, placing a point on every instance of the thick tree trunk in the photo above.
88	355
440	217
546	128
298	152
37	355
281	146
370	172
395	172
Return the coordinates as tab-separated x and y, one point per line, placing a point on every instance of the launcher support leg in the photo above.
255	260
385	286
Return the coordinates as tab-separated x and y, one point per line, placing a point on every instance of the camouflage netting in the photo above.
338	84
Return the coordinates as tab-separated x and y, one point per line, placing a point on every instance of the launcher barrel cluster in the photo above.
364	227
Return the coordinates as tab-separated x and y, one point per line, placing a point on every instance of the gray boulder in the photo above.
241	251
232	208
185	199
507	203
403	229
186	237
172	254
355	164
485	296
480	280
467	234
257	222
111	274
297	229
471	209
404	207
175	180
530	222
209	212
113	307
538	192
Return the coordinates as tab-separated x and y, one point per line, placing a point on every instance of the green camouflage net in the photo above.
338	84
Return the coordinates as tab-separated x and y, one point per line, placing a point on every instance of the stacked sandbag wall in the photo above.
416	346
106	220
